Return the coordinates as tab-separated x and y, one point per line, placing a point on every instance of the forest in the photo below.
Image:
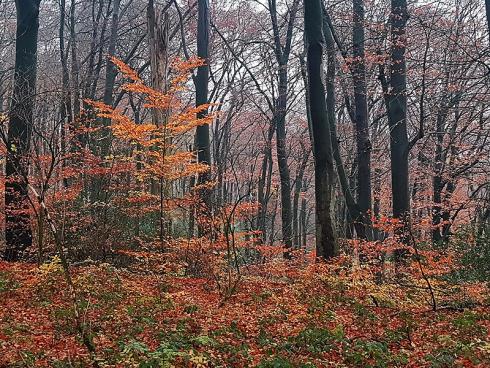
245	183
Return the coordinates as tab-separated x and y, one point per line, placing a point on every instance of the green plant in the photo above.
6	283
371	354
316	340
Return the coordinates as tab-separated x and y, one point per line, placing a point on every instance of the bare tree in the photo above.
395	96
322	147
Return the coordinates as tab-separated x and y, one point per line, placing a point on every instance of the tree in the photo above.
322	146
282	53
18	233
202	144
111	73
363	143
395	97
158	39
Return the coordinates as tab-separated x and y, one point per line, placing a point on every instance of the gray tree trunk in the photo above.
322	147
363	143
18	233
201	83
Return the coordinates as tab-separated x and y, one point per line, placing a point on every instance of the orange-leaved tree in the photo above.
155	151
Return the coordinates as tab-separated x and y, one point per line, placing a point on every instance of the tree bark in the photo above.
363	143
282	159
353	211
322	147
74	64
303	216
298	184
264	185
396	107
438	183
66	107
18	233
487	8
110	76
201	83
282	53
158	43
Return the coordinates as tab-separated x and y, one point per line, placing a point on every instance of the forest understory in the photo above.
277	314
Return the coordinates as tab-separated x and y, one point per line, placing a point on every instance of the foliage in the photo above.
279	316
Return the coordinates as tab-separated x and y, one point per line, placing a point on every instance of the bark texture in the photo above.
18	233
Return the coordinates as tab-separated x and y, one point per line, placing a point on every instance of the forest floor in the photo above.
280	315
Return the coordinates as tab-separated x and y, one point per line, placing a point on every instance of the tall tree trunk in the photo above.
66	107
282	159
93	49
322	147
396	107
363	143
201	83
282	53
18	233
110	75
158	42
346	184
353	210
74	63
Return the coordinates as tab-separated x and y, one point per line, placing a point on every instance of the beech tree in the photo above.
282	53
395	97
202	142
18	234
363	143
322	147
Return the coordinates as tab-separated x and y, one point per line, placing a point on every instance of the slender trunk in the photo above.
66	107
363	143
74	64
201	83
298	184
446	214
272	236
97	14
110	76
302	216
264	186
18	233
437	181
322	147
378	234
353	210
282	159
396	106
282	52
158	42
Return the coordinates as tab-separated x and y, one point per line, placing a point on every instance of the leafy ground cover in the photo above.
281	315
